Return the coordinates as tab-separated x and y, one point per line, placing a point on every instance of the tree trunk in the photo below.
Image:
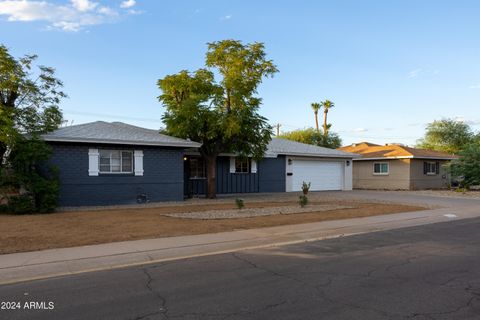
325	127
211	163
316	121
3	151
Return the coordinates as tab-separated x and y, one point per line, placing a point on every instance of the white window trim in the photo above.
429	173
121	162
381	173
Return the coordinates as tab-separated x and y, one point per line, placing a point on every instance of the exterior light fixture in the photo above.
289	161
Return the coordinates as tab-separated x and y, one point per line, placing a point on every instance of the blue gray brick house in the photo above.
102	163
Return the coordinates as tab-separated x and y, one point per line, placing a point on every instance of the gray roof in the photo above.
287	147
116	133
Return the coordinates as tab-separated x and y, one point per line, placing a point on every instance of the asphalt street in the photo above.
425	272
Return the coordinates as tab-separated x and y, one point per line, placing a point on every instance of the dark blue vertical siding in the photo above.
272	174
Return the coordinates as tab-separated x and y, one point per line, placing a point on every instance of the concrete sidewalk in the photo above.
57	262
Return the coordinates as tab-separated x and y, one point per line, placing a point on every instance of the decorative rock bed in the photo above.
254	212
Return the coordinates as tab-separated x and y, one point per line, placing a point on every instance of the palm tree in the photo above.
316	107
327	104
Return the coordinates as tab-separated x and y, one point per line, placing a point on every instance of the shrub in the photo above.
303	200
240	203
21	204
306	187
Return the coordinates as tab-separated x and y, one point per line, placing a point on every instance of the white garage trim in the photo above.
322	173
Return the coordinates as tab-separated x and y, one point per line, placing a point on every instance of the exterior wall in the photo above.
270	177
235	182
398	177
348	175
419	180
162	179
272	174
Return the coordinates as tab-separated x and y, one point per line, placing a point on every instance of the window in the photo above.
380	168
242	165
116	161
197	168
431	168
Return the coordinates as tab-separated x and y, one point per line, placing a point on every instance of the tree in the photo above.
222	115
312	136
316	107
468	165
447	135
29	107
327	105
29	101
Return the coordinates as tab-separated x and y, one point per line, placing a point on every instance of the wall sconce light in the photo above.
185	158
348	163
289	161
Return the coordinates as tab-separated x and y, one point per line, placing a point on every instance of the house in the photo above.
102	163
398	167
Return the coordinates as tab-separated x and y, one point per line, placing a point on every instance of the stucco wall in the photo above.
398	177
419	180
162	179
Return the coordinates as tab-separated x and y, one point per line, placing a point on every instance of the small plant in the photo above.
306	187
21	204
303	200
240	203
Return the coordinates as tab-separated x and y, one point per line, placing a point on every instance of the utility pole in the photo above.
278	129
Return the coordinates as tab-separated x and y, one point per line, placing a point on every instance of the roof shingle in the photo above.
372	151
115	133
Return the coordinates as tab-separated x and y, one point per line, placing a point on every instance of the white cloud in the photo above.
414	73
128	4
227	17
72	16
474	86
423	72
359	130
83	5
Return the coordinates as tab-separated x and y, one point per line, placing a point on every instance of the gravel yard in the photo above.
254	212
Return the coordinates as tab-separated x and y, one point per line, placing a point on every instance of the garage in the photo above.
323	175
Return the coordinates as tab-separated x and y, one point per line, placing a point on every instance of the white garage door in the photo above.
323	175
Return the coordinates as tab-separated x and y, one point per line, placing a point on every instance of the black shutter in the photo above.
437	167
425	167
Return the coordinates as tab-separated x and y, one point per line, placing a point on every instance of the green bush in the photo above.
240	203
28	161
21	204
303	200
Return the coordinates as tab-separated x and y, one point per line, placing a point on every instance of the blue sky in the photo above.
389	66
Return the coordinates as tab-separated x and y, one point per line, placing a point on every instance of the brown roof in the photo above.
370	150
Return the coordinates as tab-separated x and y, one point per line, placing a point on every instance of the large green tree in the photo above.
29	107
314	137
468	165
316	106
29	100
447	135
222	115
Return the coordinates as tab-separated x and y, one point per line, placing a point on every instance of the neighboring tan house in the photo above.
397	167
